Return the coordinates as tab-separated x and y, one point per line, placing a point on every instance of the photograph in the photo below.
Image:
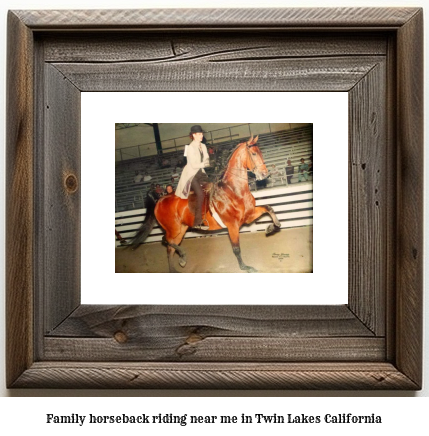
215	198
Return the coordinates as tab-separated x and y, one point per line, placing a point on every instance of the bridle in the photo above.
248	147
249	154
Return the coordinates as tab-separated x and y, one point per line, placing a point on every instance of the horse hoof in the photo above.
250	269
182	263
272	228
269	229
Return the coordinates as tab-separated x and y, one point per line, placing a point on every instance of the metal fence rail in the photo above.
292	204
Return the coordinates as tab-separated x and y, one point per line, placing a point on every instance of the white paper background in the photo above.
397	417
328	284
24	414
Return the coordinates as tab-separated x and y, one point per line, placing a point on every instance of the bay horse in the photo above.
230	198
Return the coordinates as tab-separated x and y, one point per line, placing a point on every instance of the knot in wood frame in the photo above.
70	183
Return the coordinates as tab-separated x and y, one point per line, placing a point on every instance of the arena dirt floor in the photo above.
288	251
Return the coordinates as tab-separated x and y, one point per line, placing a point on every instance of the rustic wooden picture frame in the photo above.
373	342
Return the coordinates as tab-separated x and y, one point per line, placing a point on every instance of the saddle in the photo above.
192	199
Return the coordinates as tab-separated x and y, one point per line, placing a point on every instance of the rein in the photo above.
236	175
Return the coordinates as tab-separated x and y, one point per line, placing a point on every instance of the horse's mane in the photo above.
233	151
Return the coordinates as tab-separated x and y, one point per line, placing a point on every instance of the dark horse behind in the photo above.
230	199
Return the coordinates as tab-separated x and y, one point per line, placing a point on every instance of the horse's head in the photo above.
255	161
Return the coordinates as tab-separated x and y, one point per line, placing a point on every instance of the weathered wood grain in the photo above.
213	333
162	47
368	172
19	200
191	347
215	376
409	273
301	74
137	322
391	192
287	18
40	264
61	186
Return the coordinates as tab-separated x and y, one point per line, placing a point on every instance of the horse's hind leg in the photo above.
170	254
180	251
234	235
172	242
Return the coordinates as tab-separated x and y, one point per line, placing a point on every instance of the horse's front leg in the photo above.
234	235
260	210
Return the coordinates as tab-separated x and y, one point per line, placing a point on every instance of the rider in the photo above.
193	175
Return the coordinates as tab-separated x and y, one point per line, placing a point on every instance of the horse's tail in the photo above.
147	224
